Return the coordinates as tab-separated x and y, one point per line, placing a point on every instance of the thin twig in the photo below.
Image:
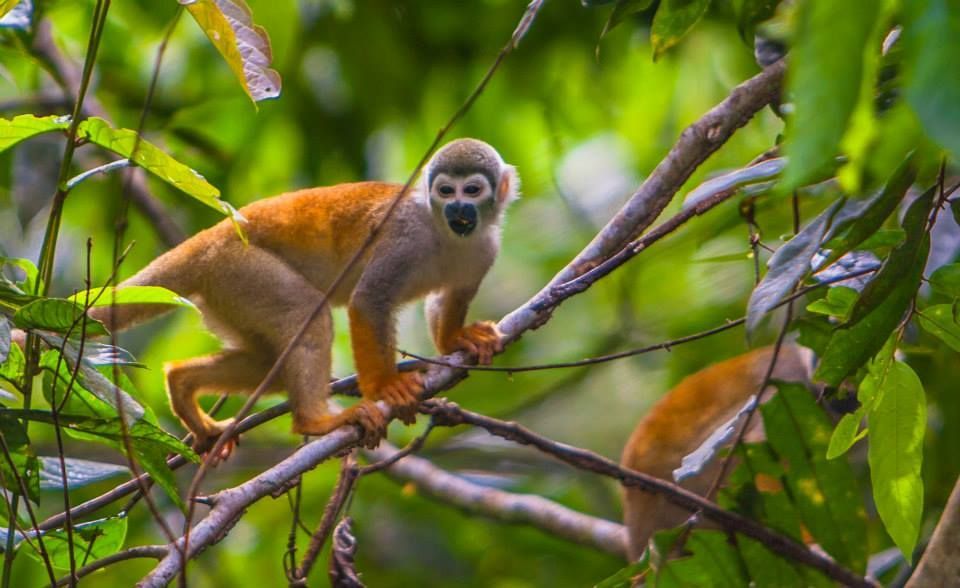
144	551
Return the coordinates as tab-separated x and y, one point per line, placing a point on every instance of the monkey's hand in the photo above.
402	392
365	415
481	339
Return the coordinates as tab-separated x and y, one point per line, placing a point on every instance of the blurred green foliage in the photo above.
365	86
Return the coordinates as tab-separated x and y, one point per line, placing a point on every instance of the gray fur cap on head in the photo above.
464	157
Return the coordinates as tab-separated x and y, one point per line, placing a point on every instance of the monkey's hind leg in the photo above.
232	371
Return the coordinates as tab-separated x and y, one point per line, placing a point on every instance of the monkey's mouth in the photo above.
461	218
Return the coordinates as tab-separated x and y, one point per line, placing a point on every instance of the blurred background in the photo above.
366	85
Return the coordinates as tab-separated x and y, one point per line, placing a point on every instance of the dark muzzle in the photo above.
461	217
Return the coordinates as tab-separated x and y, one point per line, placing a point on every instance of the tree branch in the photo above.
508	507
940	565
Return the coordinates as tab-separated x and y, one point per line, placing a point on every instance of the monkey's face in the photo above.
466	202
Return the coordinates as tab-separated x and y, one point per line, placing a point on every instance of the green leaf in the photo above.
91	541
59	315
862	221
130	295
80	472
674	19
788	266
21	128
931	37
946	280
151	158
884	238
713	562
621	11
624	577
883	302
766	568
21	462
30	272
826	65
847	433
825	491
750	13
897	424
12	368
87	393
838	302
940	320
244	45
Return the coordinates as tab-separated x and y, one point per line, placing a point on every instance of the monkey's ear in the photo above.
509	188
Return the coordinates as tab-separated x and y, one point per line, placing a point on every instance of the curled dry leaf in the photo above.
244	45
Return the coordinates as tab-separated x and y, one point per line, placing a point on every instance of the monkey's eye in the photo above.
446	190
472	189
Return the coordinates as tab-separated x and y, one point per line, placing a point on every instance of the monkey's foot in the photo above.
205	440
481	339
402	392
365	415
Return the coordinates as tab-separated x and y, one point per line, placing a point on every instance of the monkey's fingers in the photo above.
403	395
371	421
481	339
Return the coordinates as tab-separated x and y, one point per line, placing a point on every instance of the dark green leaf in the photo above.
755	489
838	302
788	266
864	219
897	424
826	65
882	303
22	127
768	569
80	472
848	430
931	37
940	320
713	562
884	238
750	13
21	462
59	315
621	11
946	280
900	261
813	333
674	19
825	491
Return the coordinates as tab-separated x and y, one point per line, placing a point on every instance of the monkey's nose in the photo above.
461	218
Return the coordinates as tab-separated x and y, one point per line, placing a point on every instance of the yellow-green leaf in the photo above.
244	45
22	127
674	19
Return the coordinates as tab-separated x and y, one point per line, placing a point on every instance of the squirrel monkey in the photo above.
439	241
683	419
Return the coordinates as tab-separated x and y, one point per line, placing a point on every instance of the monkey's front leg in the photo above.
374	353
446	312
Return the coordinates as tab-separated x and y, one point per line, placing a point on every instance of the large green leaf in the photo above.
83	392
940	320
151	158
825	491
946	280
130	295
674	19
91	541
826	65
21	128
884	301
713	562
897	424
931	36
244	45
59	315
